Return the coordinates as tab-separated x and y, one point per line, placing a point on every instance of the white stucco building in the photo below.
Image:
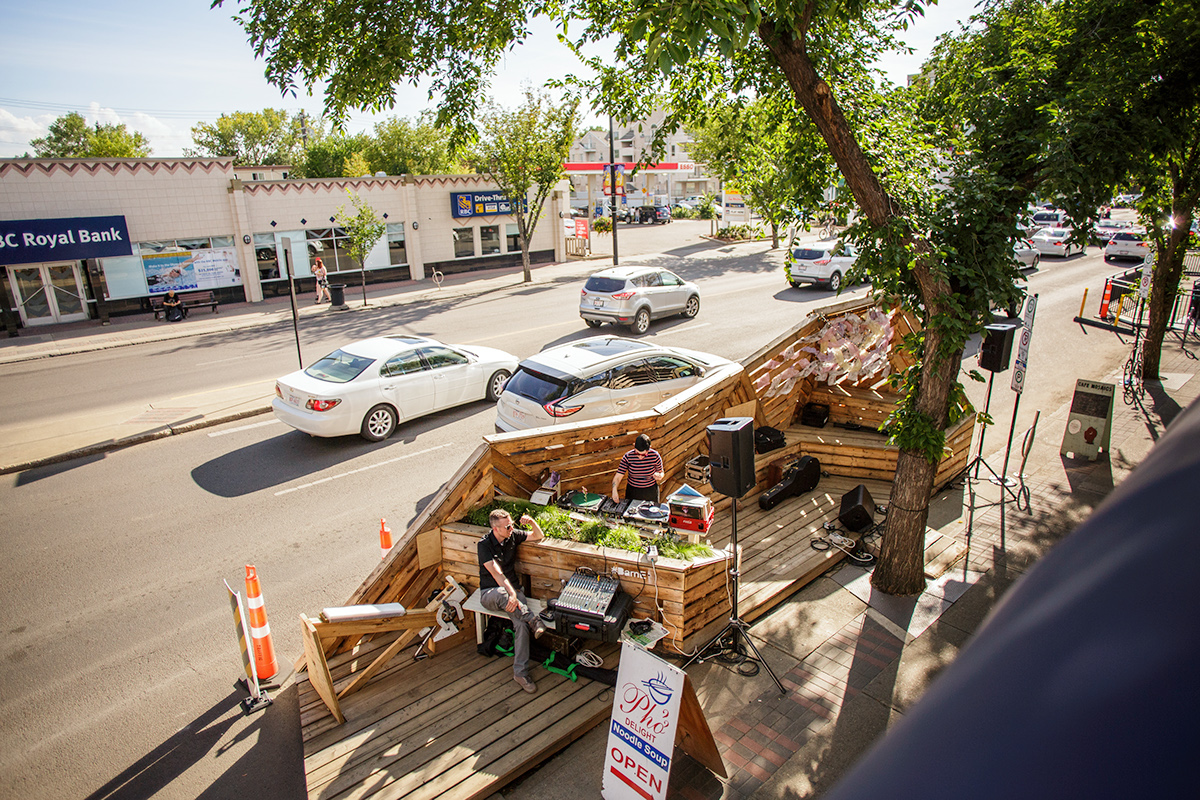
82	238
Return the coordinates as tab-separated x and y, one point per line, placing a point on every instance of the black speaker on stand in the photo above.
731	458
995	354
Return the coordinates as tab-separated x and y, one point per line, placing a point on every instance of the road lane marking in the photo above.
244	428
363	469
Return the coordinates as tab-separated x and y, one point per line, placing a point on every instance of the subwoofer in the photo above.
801	476
858	509
731	455
996	348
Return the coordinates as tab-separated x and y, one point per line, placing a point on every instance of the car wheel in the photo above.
379	423
496	384
593	323
1037	259
692	308
835	281
641	321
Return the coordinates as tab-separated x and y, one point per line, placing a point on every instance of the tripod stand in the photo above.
1004	482
737	631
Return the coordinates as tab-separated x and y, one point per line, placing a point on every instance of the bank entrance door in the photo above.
48	293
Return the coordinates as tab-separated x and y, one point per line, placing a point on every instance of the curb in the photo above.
129	441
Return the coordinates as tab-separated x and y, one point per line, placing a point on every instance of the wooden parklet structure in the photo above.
456	724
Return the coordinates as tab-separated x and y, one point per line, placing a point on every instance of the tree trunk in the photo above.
1163	289
901	568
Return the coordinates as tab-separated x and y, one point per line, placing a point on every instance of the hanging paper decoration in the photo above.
848	348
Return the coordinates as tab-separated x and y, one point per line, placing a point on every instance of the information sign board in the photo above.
1089	423
641	733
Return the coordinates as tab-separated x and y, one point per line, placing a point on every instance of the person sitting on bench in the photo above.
498	586
173	305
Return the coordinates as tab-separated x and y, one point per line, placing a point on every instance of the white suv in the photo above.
597	377
635	295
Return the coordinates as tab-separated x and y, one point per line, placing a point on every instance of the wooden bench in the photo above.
190	300
473	604
856	405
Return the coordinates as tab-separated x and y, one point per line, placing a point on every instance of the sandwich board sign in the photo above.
641	734
1089	423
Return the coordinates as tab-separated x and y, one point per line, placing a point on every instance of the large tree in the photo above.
251	138
418	147
1072	99
70	136
327	156
768	152
522	151
696	52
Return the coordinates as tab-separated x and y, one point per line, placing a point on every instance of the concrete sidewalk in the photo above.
59	439
854	661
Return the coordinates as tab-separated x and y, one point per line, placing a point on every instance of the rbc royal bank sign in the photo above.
479	204
31	241
641	735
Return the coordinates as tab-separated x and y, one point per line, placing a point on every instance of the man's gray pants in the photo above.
523	620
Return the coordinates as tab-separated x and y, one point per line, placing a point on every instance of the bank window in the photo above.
397	251
489	239
513	234
194	244
265	255
333	248
464	242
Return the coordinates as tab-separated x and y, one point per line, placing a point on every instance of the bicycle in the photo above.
1133	388
827	228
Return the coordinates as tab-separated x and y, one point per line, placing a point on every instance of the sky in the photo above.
161	66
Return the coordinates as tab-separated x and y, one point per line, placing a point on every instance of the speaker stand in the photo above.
734	637
1006	484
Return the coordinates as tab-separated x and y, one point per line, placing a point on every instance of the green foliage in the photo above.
557	523
355	166
401	147
326	157
250	138
737	233
522	151
684	213
71	137
707	208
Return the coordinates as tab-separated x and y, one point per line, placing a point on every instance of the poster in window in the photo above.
191	269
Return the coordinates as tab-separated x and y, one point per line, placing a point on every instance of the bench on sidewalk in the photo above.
190	300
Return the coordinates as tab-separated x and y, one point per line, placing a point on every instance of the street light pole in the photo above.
612	187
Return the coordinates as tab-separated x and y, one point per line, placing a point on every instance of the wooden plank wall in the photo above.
585	454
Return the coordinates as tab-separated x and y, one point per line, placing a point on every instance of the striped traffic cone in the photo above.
260	631
385	538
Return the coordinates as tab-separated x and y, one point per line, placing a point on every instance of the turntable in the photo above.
646	511
585	501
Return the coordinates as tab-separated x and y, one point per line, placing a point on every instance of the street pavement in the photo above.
852	661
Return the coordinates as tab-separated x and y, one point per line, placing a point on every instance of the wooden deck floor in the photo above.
456	725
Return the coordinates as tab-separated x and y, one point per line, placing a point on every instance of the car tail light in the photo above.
1142	244
823	261
622	295
320	405
278	392
555	410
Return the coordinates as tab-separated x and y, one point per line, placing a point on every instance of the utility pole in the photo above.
612	187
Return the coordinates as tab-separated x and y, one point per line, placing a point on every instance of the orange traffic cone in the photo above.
1106	299
385	538
260	631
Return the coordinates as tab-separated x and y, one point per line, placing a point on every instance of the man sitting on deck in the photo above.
498	586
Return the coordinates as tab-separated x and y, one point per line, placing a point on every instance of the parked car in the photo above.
653	214
597	377
371	386
1051	219
1026	254
825	264
1104	230
1126	245
635	295
1056	242
1129	199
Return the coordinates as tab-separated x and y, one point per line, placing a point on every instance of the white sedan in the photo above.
370	387
1056	242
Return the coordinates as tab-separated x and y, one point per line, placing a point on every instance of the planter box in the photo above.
690	593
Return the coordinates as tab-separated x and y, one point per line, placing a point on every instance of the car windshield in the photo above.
339	367
603	285
801	254
535	386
